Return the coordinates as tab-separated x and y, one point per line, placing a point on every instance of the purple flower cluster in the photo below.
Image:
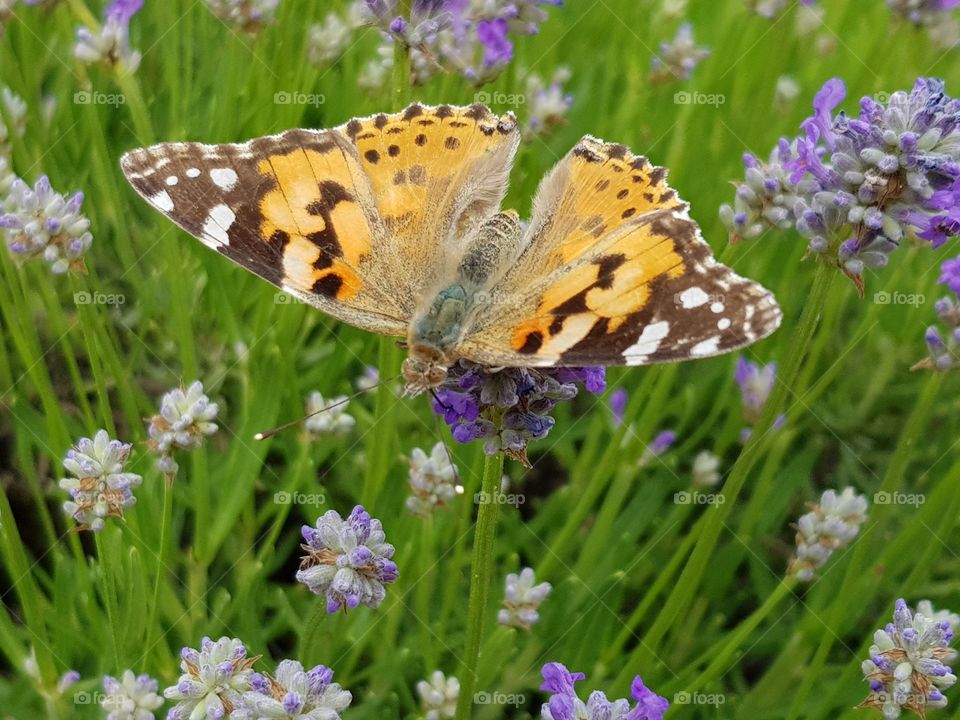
756	383
907	666
508	407
937	17
856	187
294	693
943	344
565	705
347	561
471	37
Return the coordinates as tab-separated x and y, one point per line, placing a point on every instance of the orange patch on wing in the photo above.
350	283
353	231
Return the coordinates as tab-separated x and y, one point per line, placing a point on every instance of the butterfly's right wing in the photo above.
295	209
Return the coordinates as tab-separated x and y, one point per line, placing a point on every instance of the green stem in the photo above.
481	570
109	593
401	64
688	584
158	577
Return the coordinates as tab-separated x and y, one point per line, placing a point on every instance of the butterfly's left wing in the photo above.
614	272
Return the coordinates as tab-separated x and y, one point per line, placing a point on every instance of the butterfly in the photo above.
392	223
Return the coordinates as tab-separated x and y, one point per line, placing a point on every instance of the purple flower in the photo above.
508	407
618	405
123	10
678	58
564	704
213	679
347	561
293	692
950	274
856	186
497	48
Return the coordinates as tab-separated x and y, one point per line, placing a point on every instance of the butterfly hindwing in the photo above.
614	272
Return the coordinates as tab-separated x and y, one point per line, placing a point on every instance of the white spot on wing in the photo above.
706	347
163	201
717	307
723	323
172	180
192	172
693	297
224	178
647	343
217	224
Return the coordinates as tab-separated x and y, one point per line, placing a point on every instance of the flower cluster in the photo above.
925	608
508	407
772	8
470	37
706	469
16	110
433	480
40	222
245	15
943	345
327	41
347	561
293	693
438	696
937	17
328	417
678	58
110	43
132	697
213	680
856	187
521	599
547	104
756	383
185	417
829	526
565	705
907	666
99	487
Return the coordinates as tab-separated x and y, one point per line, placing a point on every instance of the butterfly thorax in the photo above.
438	330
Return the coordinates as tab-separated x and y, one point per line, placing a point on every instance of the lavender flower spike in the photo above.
245	15
347	561
186	417
565	705
522	599
110	43
907	668
100	488
294	694
679	57
213	680
438	696
132	697
829	526
943	342
433	480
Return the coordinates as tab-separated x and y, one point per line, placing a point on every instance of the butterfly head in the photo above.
425	368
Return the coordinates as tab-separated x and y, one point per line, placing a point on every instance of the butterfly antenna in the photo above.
270	433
